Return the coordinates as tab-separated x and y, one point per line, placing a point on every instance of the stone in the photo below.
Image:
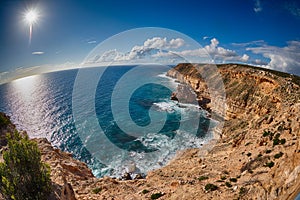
126	176
138	176
67	192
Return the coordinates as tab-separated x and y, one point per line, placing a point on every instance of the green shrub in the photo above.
156	195
276	141
210	187
96	190
226	172
268	151
145	191
259	155
233	180
223	177
228	184
248	143
282	141
249	154
266	133
278	155
280	128
23	174
270	164
201	178
242	191
4	121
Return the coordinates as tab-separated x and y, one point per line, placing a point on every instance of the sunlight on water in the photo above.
25	87
29	96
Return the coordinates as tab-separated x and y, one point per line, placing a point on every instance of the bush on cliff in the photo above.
23	175
4	121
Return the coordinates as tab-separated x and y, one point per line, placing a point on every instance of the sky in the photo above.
259	32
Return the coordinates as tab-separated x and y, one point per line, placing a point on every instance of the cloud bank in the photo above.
170	51
285	59
149	48
175	50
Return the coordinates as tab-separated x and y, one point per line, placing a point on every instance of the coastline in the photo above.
244	121
236	163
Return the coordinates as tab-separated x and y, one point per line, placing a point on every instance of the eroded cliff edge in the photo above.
263	108
261	127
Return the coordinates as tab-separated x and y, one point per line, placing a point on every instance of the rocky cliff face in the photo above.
262	129
257	157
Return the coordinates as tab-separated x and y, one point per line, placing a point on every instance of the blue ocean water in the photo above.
42	105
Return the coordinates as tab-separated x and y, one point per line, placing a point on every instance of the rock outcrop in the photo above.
257	157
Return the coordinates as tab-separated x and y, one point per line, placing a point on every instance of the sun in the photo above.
31	16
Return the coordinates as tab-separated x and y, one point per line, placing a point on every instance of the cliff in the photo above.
261	127
256	157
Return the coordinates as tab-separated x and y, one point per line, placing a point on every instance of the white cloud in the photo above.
257	6
160	49
38	53
92	42
108	56
214	43
250	44
245	58
221	54
155	42
176	43
150	47
281	58
260	63
162	43
212	51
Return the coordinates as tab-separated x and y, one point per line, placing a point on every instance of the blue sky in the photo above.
260	32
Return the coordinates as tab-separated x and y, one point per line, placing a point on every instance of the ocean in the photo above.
136	127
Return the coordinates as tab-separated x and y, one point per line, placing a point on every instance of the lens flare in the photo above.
31	17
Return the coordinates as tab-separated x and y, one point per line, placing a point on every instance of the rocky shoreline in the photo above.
257	157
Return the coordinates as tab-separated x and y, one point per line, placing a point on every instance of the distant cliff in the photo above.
249	90
257	156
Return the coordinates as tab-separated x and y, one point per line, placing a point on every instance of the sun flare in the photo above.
31	16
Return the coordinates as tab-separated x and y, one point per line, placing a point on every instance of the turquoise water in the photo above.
42	105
